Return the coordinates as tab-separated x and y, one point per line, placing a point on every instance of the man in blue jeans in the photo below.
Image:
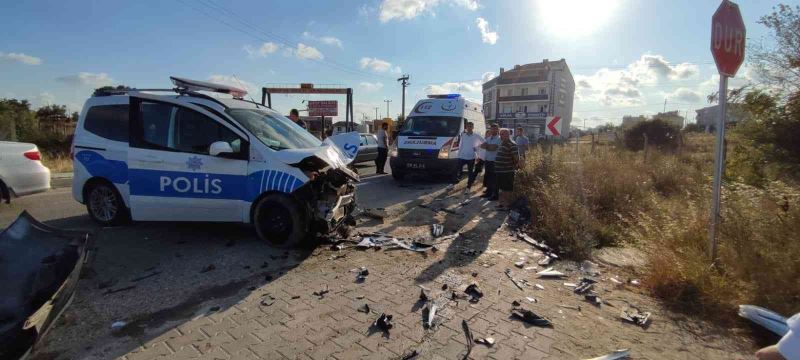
469	144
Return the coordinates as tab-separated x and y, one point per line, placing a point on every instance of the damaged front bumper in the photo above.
39	271
329	196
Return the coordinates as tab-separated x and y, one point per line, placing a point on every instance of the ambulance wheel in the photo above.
280	221
104	203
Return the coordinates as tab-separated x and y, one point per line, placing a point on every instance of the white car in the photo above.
21	170
181	155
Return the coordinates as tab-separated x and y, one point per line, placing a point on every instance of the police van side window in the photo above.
108	121
175	128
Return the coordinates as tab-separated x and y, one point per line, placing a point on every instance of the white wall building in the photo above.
527	94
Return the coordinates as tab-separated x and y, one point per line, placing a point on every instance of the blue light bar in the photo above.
445	96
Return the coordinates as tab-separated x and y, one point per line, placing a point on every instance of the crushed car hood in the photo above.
337	151
39	270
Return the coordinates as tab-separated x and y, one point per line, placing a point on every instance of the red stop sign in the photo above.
727	38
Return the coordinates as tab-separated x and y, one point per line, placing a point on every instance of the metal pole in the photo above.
387	107
376	113
719	165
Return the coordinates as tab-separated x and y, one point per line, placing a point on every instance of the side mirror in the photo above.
218	148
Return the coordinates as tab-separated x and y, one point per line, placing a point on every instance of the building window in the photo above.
510	92
542	91
507	109
523	91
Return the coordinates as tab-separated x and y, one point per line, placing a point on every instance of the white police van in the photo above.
428	141
186	156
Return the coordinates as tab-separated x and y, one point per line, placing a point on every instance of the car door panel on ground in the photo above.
172	175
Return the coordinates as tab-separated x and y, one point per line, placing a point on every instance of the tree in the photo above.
659	133
104	90
17	121
779	65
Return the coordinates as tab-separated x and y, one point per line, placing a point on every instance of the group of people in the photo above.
497	156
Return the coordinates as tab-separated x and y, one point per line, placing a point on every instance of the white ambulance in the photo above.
182	155
429	138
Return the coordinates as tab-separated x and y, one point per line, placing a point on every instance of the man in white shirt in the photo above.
469	144
383	148
491	145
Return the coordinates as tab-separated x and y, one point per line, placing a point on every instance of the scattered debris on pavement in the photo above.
117	326
468	335
321	293
437	230
571	307
550	272
635	282
378	241
544	261
430	315
520	264
489	342
516	283
589	268
585	286
383	323
361	275
424	294
635	316
539	286
615	355
593	299
267	300
530	317
474	293
412	355
364	309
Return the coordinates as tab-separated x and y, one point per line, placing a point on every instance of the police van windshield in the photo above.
431	126
275	131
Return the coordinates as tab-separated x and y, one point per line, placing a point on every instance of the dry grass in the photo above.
613	196
57	162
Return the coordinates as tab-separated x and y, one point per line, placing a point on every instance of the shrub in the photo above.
660	134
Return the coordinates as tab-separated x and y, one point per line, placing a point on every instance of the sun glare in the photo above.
572	18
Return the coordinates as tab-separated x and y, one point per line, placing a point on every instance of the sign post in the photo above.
553	126
727	47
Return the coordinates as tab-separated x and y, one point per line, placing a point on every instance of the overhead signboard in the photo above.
553	127
323	108
522	115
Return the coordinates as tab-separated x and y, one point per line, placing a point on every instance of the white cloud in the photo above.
454	87
44	99
489	75
327	40
487	36
263	50
87	78
409	9
304	51
371	87
686	95
378	65
20	58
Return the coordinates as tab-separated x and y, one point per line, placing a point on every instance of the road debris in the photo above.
117	326
430	316
530	317
589	268
378	241
633	315
615	355
615	281
531	300
362	273
538	286
321	293
489	342
424	294
593	299
268	300
383	323
544	261
412	355
515	303
550	272
585	286
569	284
539	245
635	282
437	230
769	319
468	335
364	309
208	268
474	293
516	283
571	307
520	264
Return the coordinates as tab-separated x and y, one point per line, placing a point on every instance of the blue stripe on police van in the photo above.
114	170
181	184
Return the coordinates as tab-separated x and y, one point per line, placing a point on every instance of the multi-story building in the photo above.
708	116
527	94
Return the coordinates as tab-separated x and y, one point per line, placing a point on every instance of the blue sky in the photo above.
627	55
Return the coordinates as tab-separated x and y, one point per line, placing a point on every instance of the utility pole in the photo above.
376	112
404	82
665	105
387	107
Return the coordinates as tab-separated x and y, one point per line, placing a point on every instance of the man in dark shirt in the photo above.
294	115
505	165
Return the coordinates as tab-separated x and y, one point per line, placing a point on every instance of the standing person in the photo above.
522	142
383	148
505	165
468	146
294	115
481	155
491	145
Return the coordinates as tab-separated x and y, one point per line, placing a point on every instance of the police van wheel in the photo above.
280	221
104	204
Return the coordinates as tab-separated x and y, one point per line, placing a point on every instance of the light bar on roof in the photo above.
445	96
195	85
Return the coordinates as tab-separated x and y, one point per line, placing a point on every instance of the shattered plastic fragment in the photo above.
364	309
437	230
519	264
530	299
474	293
585	286
424	294
616	355
593	299
635	316
770	320
118	325
568	284
485	341
550	272
411	355
589	268
544	261
384	323
530	317
431	315
539	286
468	335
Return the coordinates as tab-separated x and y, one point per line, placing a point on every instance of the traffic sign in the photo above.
553	127
727	38
323	108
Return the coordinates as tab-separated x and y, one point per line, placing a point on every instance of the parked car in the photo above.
21	170
368	149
